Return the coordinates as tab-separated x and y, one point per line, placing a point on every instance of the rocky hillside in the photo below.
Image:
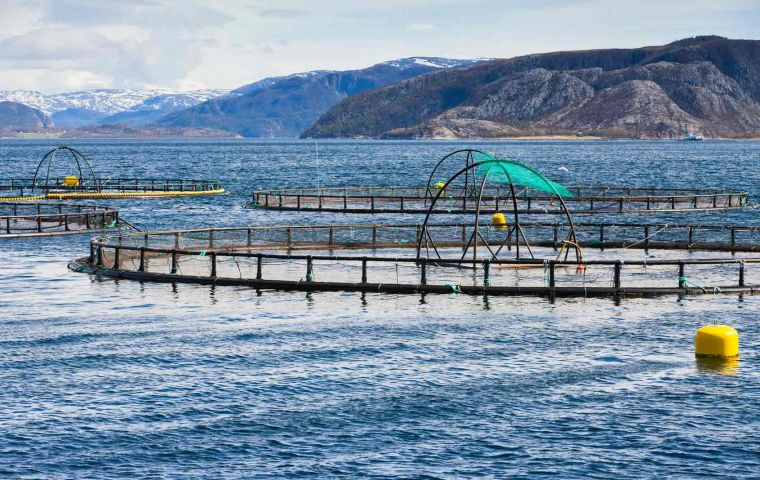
704	85
18	116
286	106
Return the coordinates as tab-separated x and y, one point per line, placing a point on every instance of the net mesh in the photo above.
511	172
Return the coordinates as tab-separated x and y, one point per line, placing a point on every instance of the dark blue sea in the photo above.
104	379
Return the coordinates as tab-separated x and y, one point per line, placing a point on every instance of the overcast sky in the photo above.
64	45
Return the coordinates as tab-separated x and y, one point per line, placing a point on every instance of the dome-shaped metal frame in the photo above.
469	174
84	168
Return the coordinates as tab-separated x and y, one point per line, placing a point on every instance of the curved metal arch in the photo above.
498	163
468	161
78	157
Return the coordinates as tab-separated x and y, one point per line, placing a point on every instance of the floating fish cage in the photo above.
78	181
479	182
506	256
461	200
616	259
28	189
27	219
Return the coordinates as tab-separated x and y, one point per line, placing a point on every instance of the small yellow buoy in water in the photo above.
716	341
71	181
498	220
440	186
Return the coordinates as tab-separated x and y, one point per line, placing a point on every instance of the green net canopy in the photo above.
511	172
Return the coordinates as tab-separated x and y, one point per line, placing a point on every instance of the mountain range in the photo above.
286	106
103	106
272	107
703	85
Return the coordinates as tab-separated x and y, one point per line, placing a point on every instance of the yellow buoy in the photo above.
440	186
71	181
717	341
499	220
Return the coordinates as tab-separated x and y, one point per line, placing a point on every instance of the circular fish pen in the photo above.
466	195
617	259
78	180
28	219
416	200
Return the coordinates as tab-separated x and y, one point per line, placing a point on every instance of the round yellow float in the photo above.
716	341
499	220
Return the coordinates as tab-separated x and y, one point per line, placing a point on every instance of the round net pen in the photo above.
462	198
618	259
65	173
26	219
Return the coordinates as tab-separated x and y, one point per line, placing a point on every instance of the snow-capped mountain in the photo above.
286	106
105	101
274	106
271	81
433	62
155	108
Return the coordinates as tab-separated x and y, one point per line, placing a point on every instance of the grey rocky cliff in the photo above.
704	85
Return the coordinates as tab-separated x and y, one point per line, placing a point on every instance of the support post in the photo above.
309	269
552	281
646	237
556	237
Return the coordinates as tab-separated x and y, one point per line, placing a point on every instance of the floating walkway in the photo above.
47	219
619	259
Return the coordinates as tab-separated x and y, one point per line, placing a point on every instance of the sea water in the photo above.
103	378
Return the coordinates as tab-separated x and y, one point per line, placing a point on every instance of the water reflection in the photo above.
724	366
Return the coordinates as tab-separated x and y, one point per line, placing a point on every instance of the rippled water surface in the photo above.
117	379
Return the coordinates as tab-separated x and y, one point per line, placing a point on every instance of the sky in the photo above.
64	45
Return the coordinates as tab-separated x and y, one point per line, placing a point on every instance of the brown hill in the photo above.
704	85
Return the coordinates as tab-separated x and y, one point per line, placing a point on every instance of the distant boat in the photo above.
693	138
